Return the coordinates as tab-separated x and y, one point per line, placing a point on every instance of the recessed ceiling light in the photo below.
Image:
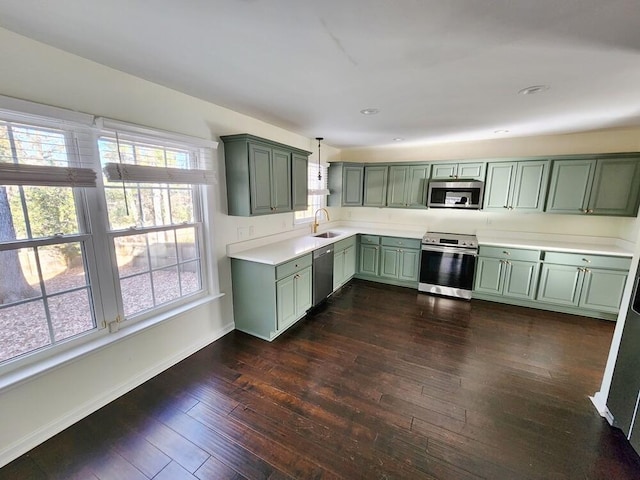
398	139
369	111
501	131
534	89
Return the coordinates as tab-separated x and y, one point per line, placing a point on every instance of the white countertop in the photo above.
284	250
557	243
281	251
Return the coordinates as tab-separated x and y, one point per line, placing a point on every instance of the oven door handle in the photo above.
437	248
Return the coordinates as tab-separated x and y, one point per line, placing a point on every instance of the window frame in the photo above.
99	256
131	134
312	179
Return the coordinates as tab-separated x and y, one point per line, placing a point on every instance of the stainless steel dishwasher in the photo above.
322	273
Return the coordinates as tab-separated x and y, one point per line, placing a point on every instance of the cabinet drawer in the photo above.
587	260
510	253
293	266
401	242
342	244
369	239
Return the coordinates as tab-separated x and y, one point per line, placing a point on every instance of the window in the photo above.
64	231
317	192
46	294
155	219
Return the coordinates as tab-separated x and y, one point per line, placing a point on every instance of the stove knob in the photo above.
464	244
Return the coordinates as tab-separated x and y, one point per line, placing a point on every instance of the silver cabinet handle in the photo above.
586	260
506	252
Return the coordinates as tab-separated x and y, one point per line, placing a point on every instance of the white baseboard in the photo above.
26	443
600	402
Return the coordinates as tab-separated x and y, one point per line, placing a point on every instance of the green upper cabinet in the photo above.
264	177
346	183
571	181
407	186
454	171
375	186
615	189
516	185
299	166
604	186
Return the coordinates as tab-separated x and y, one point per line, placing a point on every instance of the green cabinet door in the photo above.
389	262
489	275
281	181
416	189
338	268
516	185
303	291
260	175
616	186
369	259
570	185
375	186
407	187
468	170
520	279
474	170
444	171
293	297
530	186
349	262
560	284
398	184
602	289
409	265
286	301
352	183
497	193
300	178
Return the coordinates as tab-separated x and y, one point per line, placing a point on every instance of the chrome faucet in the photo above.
315	218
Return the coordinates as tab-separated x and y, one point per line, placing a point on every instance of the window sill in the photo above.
95	342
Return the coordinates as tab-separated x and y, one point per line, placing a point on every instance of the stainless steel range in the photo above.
447	264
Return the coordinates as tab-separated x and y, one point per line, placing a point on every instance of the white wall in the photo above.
38	408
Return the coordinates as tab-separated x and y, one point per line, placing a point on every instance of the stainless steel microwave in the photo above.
456	194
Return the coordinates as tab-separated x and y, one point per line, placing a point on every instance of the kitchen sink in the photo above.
327	235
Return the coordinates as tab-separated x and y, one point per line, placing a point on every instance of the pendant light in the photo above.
319	169
320	190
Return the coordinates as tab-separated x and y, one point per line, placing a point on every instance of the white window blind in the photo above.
43	152
136	154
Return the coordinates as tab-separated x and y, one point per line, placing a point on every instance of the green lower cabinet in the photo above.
389	263
586	288
489	276
560	284
369	260
507	278
520	279
395	261
344	262
293	295
267	299
602	289
577	283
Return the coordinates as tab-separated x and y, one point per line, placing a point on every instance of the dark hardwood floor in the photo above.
381	383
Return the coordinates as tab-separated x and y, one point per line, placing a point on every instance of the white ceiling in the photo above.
437	70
